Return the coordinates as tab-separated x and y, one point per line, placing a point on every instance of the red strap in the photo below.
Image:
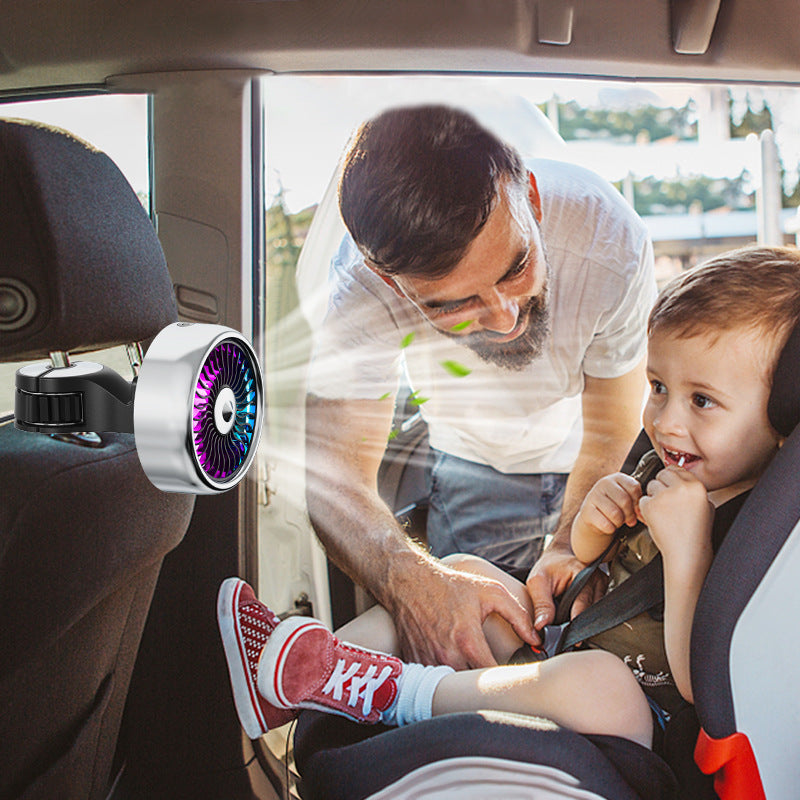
733	761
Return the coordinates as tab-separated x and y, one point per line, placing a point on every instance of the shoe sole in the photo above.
275	652
245	695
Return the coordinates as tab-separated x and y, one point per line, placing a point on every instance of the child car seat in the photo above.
744	674
82	530
745	656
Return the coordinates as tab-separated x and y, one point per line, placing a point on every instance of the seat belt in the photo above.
579	582
643	590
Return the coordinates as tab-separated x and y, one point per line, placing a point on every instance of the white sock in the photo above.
415	689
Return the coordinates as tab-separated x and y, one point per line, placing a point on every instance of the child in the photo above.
715	334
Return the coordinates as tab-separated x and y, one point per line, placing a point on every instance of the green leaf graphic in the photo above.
459	326
407	339
454	368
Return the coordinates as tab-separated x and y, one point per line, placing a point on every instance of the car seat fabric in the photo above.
82	535
340	760
82	530
81	263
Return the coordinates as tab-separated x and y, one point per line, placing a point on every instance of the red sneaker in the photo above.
245	625
304	665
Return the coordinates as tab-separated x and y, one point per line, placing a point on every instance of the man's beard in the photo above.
516	354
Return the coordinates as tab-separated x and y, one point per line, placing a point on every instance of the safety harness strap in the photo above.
642	591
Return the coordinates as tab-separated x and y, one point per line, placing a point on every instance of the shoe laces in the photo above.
361	687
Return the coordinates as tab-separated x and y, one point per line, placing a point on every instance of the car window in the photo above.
688	158
672	149
117	125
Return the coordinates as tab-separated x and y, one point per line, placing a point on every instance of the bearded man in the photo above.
513	297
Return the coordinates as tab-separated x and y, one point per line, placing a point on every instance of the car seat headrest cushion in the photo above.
81	267
783	407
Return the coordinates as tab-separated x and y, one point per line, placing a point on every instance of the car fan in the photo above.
224	411
195	408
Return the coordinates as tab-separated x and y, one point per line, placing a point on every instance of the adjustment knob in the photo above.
31	408
83	396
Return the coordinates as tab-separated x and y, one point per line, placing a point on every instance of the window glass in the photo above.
687	157
673	149
117	125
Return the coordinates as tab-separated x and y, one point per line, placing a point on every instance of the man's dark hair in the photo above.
418	185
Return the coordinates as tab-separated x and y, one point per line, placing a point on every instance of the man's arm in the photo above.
611	421
438	611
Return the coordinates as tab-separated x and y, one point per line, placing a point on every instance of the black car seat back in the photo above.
82	530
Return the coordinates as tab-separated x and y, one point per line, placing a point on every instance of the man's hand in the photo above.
550	577
440	613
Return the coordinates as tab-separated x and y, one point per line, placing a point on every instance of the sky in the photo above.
309	120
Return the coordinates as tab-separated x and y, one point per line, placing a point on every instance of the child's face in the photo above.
707	409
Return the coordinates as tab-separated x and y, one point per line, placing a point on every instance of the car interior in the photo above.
113	679
77	504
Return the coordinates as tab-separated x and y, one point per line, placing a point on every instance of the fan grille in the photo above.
221	453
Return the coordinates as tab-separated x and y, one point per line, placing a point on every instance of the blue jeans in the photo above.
476	509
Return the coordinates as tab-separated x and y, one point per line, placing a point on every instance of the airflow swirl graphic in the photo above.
219	454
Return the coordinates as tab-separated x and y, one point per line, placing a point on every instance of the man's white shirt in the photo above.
529	421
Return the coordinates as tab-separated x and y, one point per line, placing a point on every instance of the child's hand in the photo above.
612	502
678	514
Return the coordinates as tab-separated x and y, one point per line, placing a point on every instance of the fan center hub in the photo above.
225	410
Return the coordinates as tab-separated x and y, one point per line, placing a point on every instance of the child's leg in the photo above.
589	692
502	639
305	665
375	628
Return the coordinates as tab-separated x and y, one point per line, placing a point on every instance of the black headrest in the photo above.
783	407
81	267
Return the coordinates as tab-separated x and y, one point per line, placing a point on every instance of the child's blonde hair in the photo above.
755	287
